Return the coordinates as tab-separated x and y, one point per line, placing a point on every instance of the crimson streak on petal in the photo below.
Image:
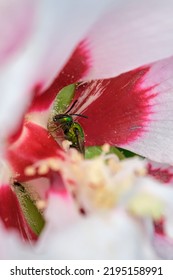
117	108
73	71
33	145
11	214
164	175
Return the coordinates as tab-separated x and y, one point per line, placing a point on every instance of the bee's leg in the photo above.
80	143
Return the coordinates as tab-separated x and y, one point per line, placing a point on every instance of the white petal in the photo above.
113	236
155	141
12	246
16	18
163	247
132	34
61	211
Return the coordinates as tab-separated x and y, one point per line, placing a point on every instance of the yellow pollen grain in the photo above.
105	199
146	205
96	185
30	171
114	166
140	172
106	148
96	179
43	169
41	204
66	145
76	156
53	164
126	183
76	170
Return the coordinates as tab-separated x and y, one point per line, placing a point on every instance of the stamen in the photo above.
66	145
114	165
30	171
106	148
41	204
53	164
43	169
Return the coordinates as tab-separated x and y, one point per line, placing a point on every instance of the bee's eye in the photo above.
61	118
54	118
57	118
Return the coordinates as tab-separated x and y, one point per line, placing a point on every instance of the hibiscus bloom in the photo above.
120	53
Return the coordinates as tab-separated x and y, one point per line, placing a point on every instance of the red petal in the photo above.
11	214
117	108
34	144
74	70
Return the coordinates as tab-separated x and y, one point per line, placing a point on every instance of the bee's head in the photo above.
63	119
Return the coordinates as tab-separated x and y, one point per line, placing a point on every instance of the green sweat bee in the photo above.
72	130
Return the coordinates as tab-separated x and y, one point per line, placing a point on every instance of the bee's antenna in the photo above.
71	107
79	115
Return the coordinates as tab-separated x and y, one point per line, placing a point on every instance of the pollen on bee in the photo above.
30	171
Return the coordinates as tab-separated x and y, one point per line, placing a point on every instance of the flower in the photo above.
105	211
125	107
